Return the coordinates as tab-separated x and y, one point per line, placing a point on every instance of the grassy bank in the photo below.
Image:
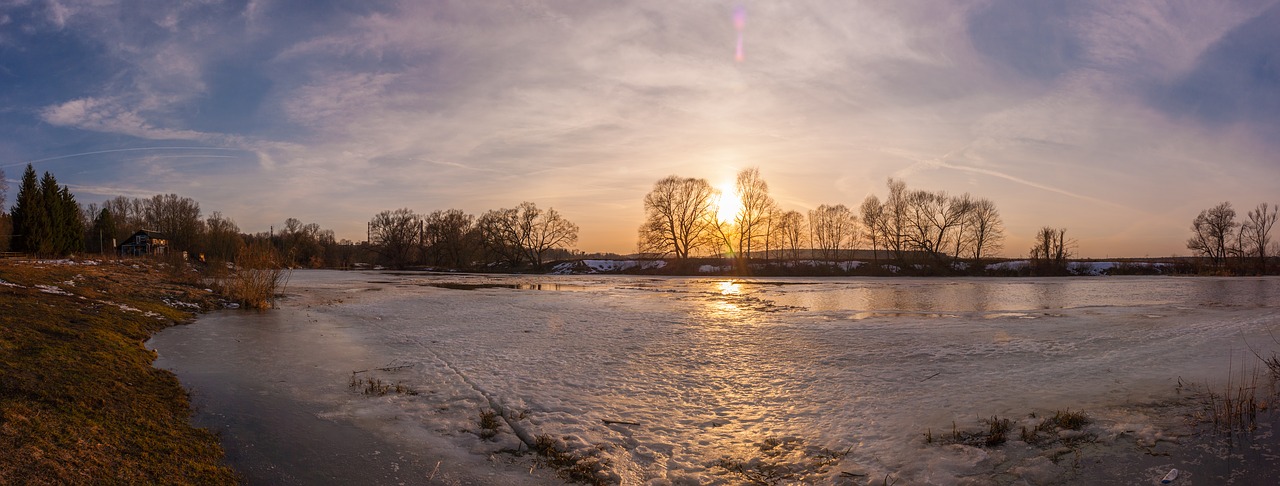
79	399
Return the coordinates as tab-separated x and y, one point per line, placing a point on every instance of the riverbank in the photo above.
80	401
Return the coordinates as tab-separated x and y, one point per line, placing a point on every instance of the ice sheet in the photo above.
671	379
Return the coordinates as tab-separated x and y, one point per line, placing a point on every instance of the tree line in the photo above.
47	221
683	220
1231	246
525	235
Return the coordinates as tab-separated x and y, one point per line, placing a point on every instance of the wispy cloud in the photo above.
355	108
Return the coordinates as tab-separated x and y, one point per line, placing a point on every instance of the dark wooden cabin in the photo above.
144	242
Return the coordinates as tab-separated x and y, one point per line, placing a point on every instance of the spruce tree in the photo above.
47	234
102	231
27	211
69	224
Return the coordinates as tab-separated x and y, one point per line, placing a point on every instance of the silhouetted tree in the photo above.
448	238
1213	231
27	214
47	220
751	224
178	218
222	240
679	217
1052	250
499	234
832	229
1258	232
792	228
544	230
99	239
932	219
394	235
526	233
872	214
985	229
6	223
893	220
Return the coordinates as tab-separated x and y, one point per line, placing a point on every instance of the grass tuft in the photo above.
489	424
574	468
782	461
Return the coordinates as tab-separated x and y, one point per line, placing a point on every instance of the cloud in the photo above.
356	108
111	116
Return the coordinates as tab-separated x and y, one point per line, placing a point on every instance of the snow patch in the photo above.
178	304
52	289
605	266
1010	265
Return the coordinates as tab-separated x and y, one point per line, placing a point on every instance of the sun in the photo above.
727	203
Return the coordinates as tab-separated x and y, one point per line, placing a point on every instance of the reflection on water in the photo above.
555	287
728	287
893	297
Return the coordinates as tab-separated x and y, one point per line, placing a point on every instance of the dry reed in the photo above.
257	277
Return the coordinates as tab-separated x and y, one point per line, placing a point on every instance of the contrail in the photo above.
117	150
941	163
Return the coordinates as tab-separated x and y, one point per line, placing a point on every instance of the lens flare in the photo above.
739	23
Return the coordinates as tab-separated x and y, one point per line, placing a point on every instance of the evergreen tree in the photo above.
69	224
47	235
46	218
27	212
102	232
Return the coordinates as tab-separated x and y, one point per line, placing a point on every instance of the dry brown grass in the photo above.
80	402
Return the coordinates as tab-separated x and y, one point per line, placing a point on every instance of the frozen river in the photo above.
725	381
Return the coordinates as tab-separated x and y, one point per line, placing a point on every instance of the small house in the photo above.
144	242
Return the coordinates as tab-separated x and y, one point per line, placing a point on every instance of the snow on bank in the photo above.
606	266
1084	268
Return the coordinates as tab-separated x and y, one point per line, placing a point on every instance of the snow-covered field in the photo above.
716	381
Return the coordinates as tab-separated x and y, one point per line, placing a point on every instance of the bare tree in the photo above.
525	233
931	221
872	222
679	216
1258	232
832	229
176	217
752	221
893	220
541	231
792	231
447	238
1052	250
499	234
1212	232
986	230
961	206
394	235
222	239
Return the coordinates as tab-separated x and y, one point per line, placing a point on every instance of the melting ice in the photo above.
721	381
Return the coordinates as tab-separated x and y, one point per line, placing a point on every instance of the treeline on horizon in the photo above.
909	231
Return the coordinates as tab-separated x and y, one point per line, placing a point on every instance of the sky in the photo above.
1119	121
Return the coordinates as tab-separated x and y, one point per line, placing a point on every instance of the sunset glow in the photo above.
1118	120
727	203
